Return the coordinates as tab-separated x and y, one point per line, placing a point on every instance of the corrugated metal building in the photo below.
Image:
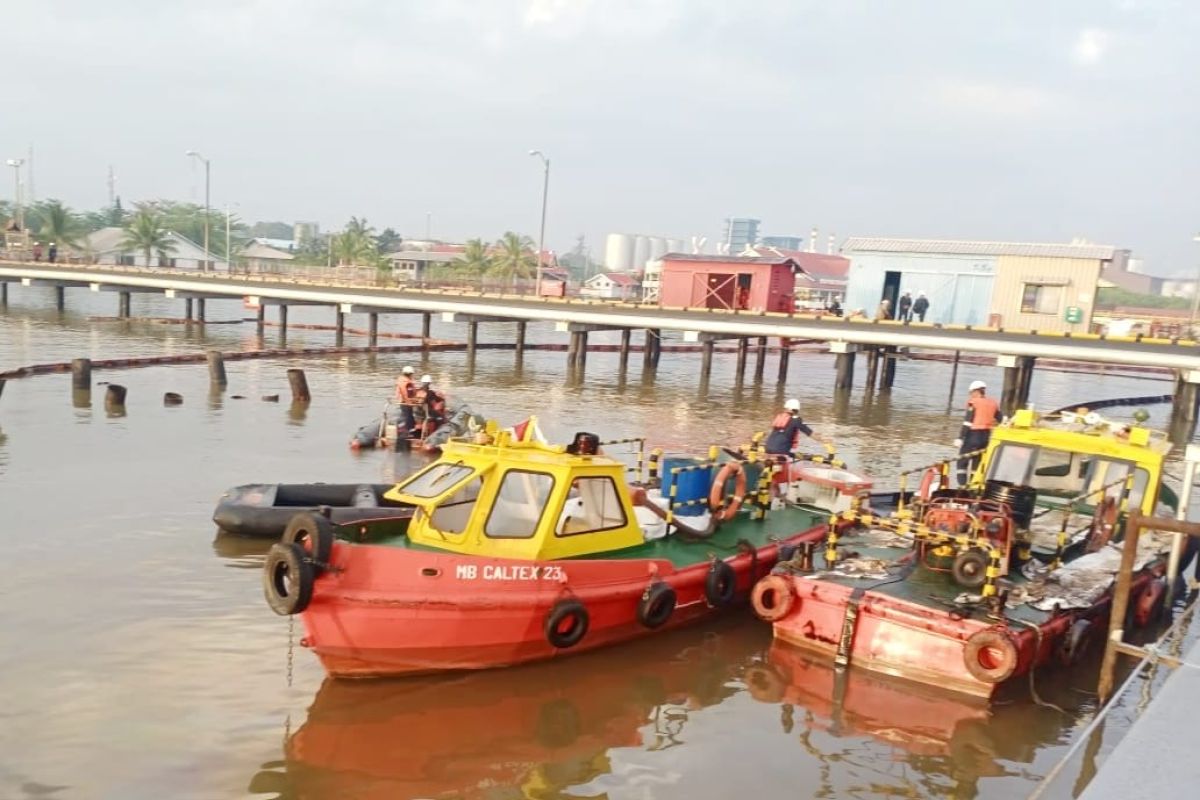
1050	287
733	282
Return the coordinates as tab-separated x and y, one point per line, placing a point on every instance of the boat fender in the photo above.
566	623
1074	642
287	579
657	605
731	469
314	535
990	655
720	584
1149	602
930	482
772	598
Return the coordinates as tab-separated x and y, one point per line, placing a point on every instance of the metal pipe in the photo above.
1177	543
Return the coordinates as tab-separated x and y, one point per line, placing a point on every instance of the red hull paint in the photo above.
916	642
392	611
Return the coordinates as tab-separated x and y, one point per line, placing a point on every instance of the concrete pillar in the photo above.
743	349
626	335
656	347
426	325
581	352
872	367
3	294
706	357
299	386
60	297
200	309
520	343
262	319
844	364
339	325
889	368
1025	366
123	305
1018	376
649	341
216	369
187	309
785	355
572	350
472	337
81	375
373	329
1184	408
760	359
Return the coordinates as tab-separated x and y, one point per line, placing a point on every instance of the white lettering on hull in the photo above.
510	572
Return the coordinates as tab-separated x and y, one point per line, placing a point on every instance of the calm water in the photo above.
140	660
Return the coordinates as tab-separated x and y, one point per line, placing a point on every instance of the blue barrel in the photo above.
692	485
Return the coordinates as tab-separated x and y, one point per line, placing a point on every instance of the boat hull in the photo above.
385	610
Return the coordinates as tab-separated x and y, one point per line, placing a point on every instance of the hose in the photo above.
1033	667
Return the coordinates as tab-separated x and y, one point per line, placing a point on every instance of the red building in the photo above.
738	282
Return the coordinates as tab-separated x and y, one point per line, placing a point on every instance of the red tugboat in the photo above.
519	551
969	589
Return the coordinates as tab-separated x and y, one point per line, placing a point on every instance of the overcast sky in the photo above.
1014	120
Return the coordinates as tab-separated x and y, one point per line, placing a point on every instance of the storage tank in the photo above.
641	252
658	247
618	252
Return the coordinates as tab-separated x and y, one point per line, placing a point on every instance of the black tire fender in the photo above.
657	605
720	585
287	579
314	534
566	623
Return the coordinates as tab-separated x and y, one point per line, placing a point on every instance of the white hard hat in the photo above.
976	385
792	405
408	370
426	379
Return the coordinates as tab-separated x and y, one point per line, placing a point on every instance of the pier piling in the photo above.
187	309
785	355
743	348
339	325
261	322
843	364
60	297
427	326
760	359
172	399
706	358
1018	377
373	329
889	368
283	320
81	374
472	338
299	384
200	309
581	352
123	305
626	335
3	294
114	398
216	368
520	340
872	367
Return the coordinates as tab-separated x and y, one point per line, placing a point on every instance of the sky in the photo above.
1014	120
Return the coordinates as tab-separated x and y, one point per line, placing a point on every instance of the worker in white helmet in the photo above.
406	395
433	404
786	430
983	413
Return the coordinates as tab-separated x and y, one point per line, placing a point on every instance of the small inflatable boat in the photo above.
264	509
389	430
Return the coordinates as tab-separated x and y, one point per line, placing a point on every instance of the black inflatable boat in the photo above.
264	509
390	431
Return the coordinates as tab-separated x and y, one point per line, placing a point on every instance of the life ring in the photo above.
1149	603
287	579
970	568
722	512
566	623
1074	642
930	477
772	598
657	605
314	534
990	655
720	585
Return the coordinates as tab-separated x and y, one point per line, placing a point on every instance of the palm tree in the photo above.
515	257
355	244
146	232
474	260
59	223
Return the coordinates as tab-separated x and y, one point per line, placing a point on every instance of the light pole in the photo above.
16	163
228	239
1195	290
196	155
542	234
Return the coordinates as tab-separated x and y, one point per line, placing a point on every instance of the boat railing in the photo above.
943	468
1070	508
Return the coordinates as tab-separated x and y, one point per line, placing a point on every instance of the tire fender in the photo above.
287	579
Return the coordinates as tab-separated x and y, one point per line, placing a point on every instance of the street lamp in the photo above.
194	154
16	163
542	233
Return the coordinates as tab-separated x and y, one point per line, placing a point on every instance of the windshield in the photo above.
434	480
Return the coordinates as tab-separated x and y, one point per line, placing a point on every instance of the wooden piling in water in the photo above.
706	358
872	367
427	325
339	325
81	374
520	341
760	359
647	349
373	329
60	297
626	335
216	368
187	309
572	350
889	368
472	337
200	309
785	355
656	345
172	399
743	349
844	366
114	397
262	319
3	294
299	384
581	352
123	305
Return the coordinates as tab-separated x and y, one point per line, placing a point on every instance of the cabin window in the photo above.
1041	298
1011	463
453	513
593	505
519	505
434	480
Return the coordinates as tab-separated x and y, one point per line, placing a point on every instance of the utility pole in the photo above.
194	154
542	233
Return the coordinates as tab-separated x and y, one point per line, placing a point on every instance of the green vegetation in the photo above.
147	232
514	258
1116	296
58	223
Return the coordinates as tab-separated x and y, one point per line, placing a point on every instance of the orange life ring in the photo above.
928	478
772	598
990	655
731	469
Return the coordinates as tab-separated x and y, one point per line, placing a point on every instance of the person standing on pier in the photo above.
920	306
982	415
406	395
905	307
786	429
